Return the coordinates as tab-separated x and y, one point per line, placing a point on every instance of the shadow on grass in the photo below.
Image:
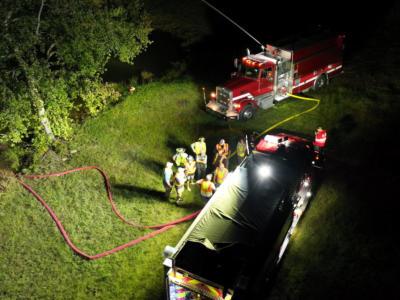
153	165
174	142
128	191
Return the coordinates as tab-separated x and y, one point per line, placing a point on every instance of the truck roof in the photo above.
239	220
308	43
304	38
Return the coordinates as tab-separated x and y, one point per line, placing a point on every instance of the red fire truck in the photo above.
293	65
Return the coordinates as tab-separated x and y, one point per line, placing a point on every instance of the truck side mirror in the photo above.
235	63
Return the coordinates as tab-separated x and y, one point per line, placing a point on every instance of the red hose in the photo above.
162	227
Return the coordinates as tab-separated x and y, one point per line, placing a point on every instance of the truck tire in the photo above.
320	82
247	112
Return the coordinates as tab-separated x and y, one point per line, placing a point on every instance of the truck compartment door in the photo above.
265	101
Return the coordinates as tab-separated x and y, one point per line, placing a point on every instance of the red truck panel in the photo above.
317	57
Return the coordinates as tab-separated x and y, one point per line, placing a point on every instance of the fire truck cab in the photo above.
293	65
235	243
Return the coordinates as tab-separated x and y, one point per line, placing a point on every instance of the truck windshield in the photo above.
249	71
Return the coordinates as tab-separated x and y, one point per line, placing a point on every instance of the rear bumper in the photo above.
221	111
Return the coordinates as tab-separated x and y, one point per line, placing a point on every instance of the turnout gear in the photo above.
320	137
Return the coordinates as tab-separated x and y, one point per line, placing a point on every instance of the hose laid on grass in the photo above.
291	117
295	115
161	227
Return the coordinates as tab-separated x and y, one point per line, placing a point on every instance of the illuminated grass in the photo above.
131	142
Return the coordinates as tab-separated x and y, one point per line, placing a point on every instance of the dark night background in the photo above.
220	41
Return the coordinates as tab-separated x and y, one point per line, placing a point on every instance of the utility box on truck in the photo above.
232	247
293	65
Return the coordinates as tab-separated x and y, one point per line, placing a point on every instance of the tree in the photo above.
52	55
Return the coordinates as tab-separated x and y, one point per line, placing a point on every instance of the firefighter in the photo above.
222	153
201	165
207	188
320	139
220	174
190	170
253	140
168	175
198	146
180	157
179	184
241	150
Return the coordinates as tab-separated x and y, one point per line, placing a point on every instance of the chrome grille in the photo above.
224	96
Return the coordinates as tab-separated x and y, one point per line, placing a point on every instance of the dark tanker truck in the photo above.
235	243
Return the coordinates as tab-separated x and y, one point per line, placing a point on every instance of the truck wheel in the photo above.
247	112
320	82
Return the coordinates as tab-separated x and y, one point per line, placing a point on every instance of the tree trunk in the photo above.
36	98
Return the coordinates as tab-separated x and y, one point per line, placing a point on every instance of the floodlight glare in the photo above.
264	171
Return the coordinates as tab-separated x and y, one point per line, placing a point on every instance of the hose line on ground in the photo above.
291	117
160	228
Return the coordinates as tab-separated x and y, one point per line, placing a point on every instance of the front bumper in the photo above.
221	111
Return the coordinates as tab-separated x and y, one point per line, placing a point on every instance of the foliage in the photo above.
131	142
53	53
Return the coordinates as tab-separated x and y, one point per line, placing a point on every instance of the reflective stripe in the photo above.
199	146
320	139
190	167
247	95
315	77
179	180
180	160
206	188
241	150
224	148
221	174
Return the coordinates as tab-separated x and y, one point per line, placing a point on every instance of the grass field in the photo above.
337	247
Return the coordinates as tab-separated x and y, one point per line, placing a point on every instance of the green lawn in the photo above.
131	142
